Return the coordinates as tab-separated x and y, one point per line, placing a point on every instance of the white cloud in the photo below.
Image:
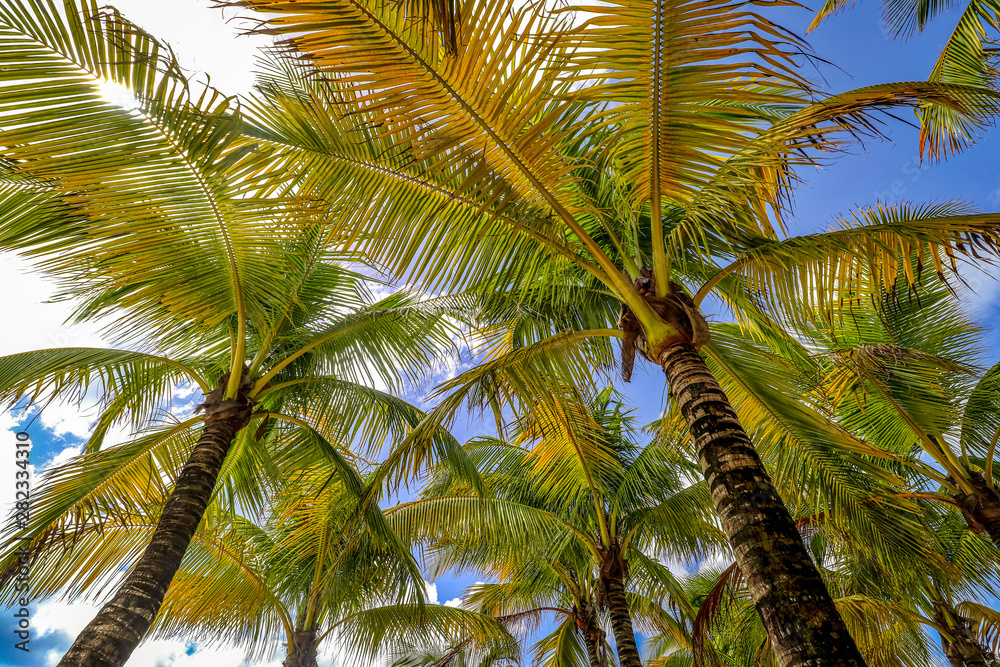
58	615
54	617
65	455
431	592
38	323
177	653
983	288
204	39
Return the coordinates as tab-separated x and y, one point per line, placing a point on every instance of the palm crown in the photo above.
577	502
175	231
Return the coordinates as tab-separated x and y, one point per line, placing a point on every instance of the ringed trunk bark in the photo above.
982	508
791	598
593	636
621	622
302	650
595	656
121	624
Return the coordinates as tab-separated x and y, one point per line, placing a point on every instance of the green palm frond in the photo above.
397	337
888	633
683	525
757	382
364	176
142	381
224	591
77	499
967	59
981	415
569	455
520	595
482	531
371	630
864	258
494	150
347	412
563	647
542	371
178	156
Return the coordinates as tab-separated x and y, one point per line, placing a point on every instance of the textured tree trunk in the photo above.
981	508
593	637
613	585
121	624
963	650
968	652
595	656
798	613
302	651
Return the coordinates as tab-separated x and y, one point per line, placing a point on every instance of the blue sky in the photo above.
880	170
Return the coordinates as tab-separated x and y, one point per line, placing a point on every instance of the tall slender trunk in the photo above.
621	623
613	570
302	650
121	624
595	656
794	604
593	636
981	508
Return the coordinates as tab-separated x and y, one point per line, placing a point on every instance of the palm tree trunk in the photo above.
981	508
121	624
302	650
794	604
621	621
593	637
964	649
968	652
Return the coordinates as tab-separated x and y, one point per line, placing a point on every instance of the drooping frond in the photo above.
77	499
981	415
967	59
862	259
757	383
224	590
482	531
376	629
172	171
126	381
542	371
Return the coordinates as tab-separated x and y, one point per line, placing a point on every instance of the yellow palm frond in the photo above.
865	257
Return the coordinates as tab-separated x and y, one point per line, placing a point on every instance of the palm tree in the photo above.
697	113
166	223
312	572
903	371
575	502
536	588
